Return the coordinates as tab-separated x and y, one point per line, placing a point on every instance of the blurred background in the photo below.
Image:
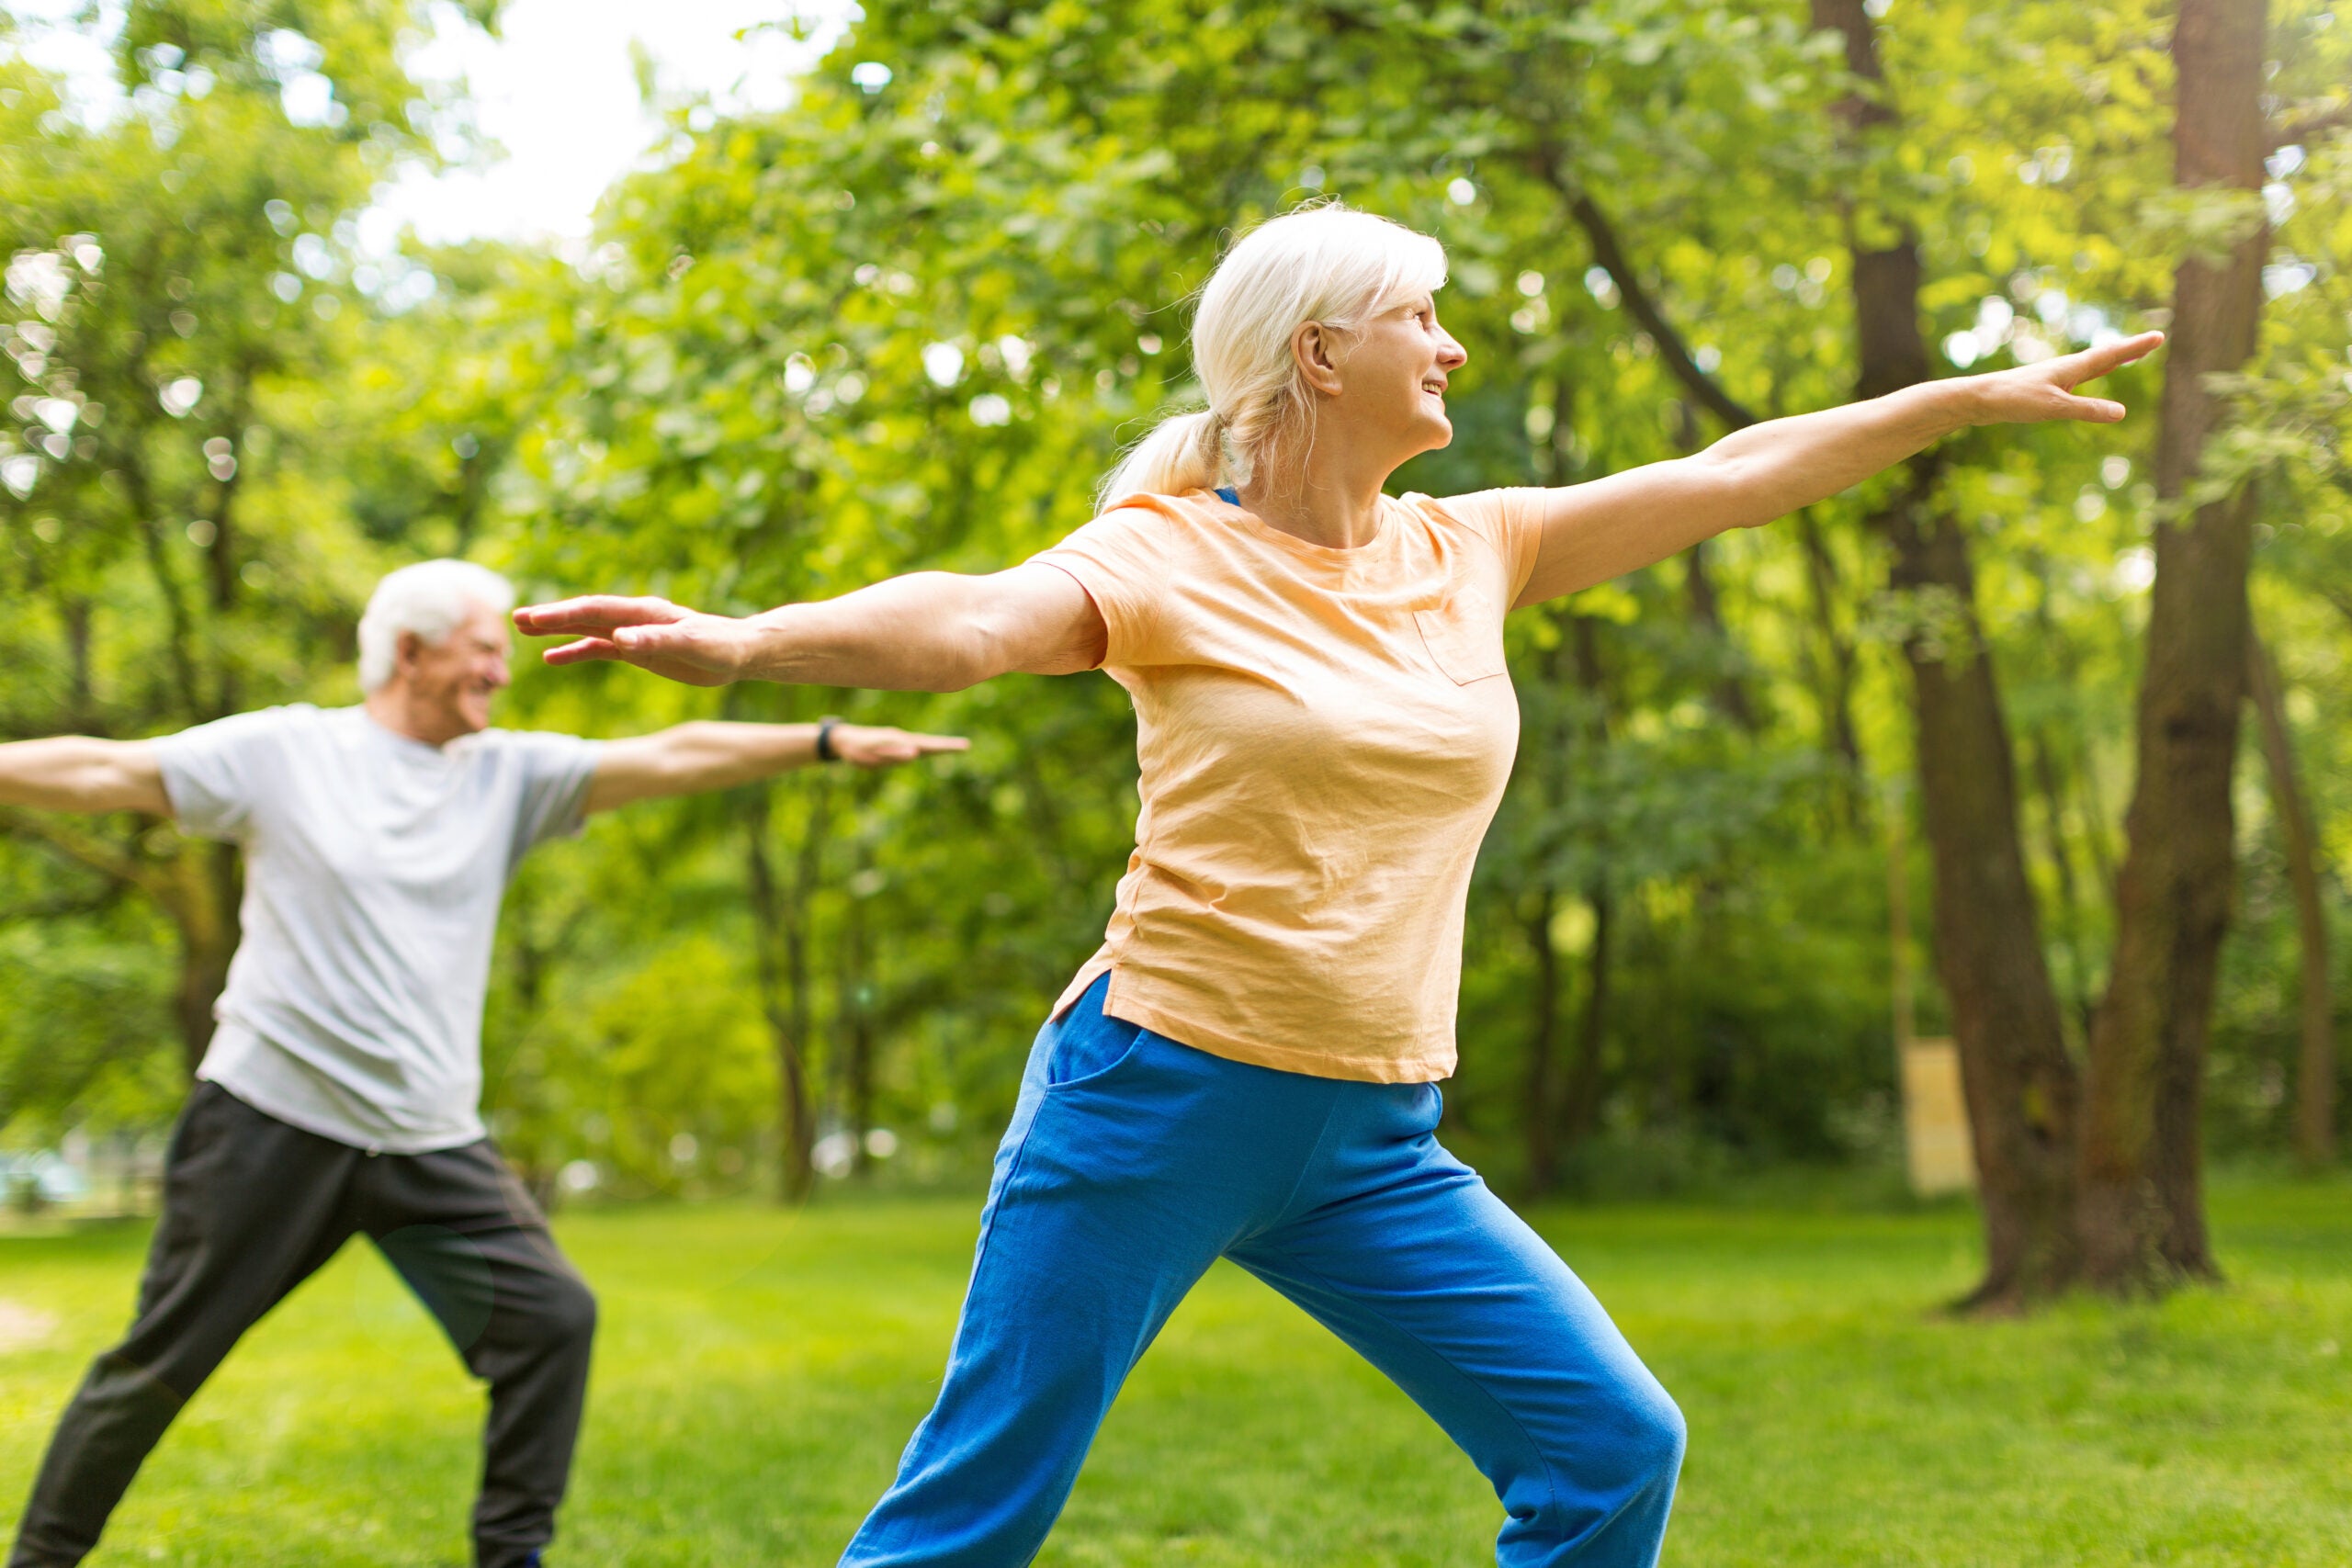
1981	831
748	306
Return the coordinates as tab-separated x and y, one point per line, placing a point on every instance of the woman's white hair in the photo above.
430	599
1328	264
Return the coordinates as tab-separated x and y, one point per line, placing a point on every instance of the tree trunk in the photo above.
2050	782
81	706
1837	663
779	998
2048	785
1541	1131
808	867
1729	693
2016	1076
1580	1108
857	1025
2142	1218
202	903
2314	1112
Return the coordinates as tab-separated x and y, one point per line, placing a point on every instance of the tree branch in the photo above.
63	908
177	616
1643	308
2297	133
93	851
2340	599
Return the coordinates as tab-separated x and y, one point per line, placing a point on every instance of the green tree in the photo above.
185	297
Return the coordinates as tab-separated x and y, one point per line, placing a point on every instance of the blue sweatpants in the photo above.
1132	1164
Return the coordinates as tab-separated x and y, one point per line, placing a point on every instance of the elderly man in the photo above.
340	1092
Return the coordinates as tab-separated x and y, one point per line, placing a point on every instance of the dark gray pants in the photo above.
252	1207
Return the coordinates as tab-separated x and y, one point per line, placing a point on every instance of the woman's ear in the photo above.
1313	348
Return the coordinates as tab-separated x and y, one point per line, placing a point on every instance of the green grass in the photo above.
758	1373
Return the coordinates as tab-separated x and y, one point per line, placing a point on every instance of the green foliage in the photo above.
184	301
907	323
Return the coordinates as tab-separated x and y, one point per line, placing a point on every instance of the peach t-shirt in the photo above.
1324	735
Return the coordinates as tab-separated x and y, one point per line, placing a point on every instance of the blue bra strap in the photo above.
1226	494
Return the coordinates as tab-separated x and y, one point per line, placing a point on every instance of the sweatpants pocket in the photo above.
1089	1046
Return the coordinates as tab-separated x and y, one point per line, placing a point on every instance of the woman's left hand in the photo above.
2033	392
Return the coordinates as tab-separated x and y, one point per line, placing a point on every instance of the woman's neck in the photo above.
1327	500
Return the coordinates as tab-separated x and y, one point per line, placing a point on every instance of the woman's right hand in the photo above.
652	634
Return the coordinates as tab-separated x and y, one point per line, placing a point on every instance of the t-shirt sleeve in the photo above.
1509	520
218	775
1121	560
551	774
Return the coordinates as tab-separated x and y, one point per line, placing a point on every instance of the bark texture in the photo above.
784	997
1580	1108
1540	1130
2019	1083
2314	1104
2141	1182
212	881
854	1020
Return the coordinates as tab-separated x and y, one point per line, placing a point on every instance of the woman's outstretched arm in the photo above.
1611	526
928	631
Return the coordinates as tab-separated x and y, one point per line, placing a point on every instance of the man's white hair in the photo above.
431	600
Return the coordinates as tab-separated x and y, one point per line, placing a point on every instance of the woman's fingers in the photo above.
2096	411
2064	375
595	615
652	634
671	651
704	646
2092	363
582	651
2043	391
675	638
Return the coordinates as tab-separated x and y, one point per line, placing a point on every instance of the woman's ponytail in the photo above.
1183	453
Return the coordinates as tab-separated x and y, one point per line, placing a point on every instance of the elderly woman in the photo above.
1248	1067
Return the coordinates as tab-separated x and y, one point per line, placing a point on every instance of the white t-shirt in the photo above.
374	869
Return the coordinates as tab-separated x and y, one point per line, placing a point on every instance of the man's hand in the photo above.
687	759
870	746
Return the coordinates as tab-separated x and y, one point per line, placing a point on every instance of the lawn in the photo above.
759	1371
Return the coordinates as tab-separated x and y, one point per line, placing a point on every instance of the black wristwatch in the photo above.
825	727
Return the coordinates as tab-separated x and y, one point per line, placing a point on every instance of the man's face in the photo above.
449	685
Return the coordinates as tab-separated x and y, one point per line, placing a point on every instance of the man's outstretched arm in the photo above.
708	754
78	772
